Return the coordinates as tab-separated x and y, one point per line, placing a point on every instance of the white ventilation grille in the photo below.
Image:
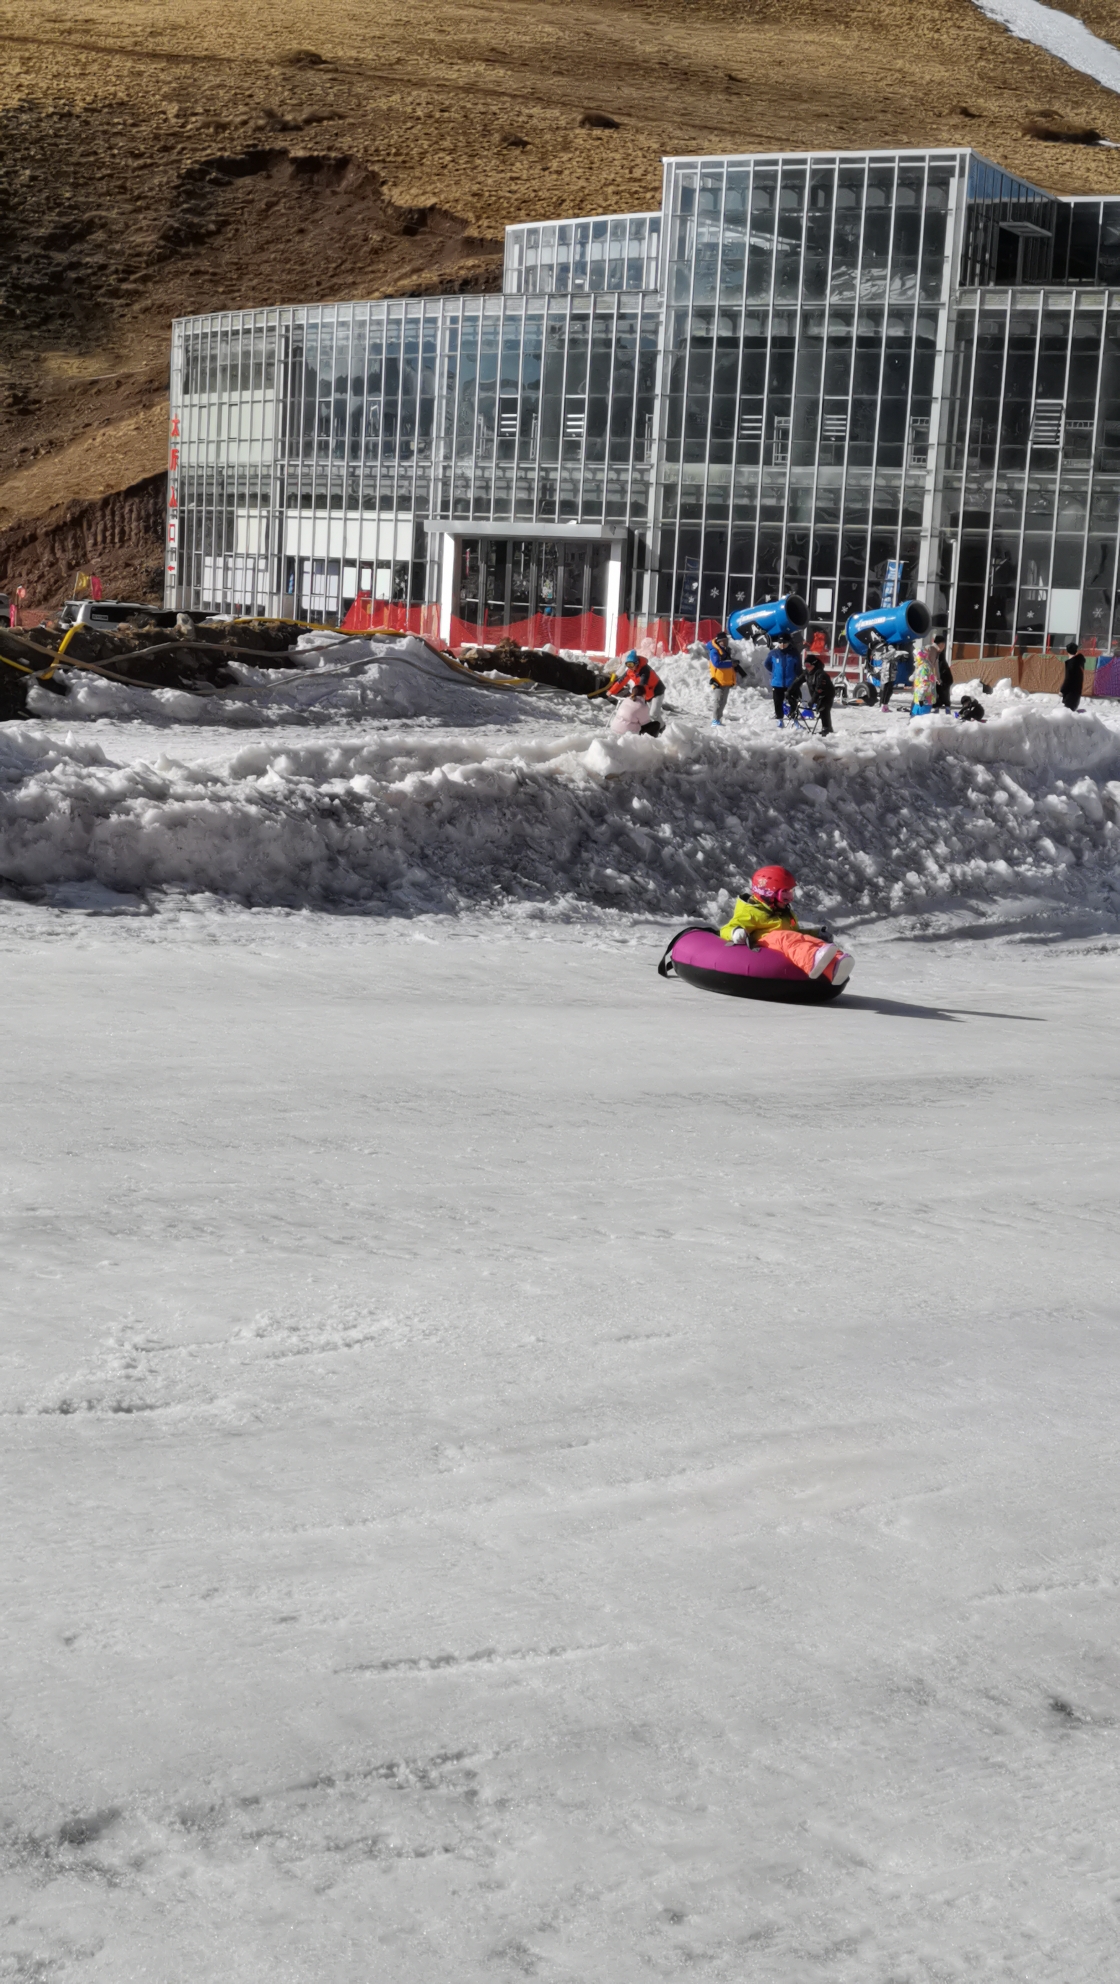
575	419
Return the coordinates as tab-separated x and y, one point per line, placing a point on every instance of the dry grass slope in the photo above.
161	156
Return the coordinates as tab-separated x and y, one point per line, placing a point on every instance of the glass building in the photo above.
802	371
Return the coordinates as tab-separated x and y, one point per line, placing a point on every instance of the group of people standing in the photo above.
801	678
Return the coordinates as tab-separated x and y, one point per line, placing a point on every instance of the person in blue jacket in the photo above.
783	665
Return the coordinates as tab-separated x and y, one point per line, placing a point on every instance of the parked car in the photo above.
114	613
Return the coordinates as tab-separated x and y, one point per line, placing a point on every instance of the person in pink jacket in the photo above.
629	718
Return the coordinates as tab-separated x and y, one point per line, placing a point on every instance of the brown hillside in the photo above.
161	156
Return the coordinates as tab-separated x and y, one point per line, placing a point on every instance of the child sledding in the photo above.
761	951
765	920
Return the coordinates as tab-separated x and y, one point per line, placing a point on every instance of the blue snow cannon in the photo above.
895	626
776	616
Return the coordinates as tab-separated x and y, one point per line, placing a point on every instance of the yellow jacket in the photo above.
756	918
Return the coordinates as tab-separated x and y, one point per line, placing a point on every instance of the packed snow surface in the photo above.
1059	34
515	1469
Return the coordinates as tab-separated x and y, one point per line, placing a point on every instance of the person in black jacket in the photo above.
819	687
944	696
1073	681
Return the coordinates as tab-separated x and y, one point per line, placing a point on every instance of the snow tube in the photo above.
699	955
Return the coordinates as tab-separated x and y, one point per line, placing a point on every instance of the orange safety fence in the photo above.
662	636
367	615
1039	671
657	636
585	633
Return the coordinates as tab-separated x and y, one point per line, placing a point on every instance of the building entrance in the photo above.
526	583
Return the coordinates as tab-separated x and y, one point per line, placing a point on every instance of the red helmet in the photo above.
773	885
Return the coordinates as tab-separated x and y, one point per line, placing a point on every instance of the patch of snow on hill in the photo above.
1059	34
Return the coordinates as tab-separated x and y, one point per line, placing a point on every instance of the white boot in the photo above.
843	970
823	959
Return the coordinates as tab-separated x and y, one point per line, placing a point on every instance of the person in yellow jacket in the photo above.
723	673
765	920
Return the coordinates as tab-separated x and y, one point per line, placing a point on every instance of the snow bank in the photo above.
420	820
353	680
1059	34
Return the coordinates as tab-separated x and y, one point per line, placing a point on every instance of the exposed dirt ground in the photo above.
164	156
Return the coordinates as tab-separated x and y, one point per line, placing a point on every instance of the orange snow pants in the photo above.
797	947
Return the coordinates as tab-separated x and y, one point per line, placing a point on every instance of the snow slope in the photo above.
547	814
514	1469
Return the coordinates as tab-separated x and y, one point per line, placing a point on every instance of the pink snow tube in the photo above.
700	956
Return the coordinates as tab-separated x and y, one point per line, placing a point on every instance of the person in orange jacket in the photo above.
642	679
765	920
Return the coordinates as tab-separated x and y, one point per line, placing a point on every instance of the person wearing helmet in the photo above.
783	665
765	920
723	673
640	679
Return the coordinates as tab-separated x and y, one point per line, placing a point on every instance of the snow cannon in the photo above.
893	626
776	616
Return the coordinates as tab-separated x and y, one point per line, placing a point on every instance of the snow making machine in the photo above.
769	619
873	637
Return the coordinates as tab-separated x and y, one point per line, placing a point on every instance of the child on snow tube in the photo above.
765	920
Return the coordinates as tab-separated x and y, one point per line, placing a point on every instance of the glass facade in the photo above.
1030	492
804	299
614	251
802	369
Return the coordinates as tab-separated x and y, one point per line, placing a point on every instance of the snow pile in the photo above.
421	819
355	680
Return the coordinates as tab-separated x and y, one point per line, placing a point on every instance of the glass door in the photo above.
522	578
497	582
470	579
